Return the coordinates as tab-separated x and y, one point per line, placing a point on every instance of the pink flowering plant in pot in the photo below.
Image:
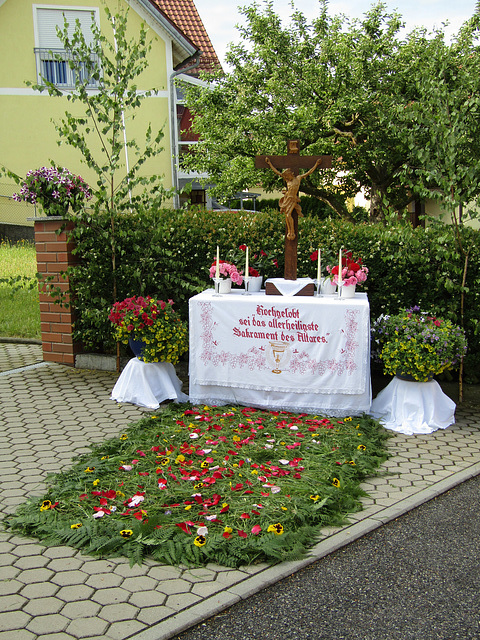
353	271
226	270
55	190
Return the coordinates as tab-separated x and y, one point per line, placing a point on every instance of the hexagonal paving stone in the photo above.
87	627
81	609
199	575
164	572
13	602
174	586
50	623
74	593
65	564
118	612
42	606
140	583
60	552
11	620
17	634
152	615
64	578
124	629
147	599
97	566
111	596
35	575
104	580
31	562
181	601
7	559
126	571
39	590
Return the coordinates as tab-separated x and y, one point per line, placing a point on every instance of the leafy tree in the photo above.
444	137
339	86
114	64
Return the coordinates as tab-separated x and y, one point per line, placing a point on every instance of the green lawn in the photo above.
19	307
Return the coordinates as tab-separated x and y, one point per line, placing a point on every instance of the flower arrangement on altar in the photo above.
55	189
417	344
154	322
226	270
353	271
258	261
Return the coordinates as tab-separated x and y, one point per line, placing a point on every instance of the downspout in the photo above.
173	117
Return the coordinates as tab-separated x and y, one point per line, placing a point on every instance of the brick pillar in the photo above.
54	255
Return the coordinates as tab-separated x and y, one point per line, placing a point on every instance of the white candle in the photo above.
217	268
340	268
319	266
246	263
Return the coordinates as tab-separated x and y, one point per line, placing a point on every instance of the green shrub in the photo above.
166	254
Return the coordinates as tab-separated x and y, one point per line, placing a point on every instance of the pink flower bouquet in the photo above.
353	272
227	270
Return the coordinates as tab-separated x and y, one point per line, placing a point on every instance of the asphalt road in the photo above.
416	578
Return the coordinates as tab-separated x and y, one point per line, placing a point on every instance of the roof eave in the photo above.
179	38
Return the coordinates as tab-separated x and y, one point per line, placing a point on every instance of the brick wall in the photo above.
54	256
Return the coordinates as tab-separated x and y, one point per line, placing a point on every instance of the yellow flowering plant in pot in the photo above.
152	328
416	345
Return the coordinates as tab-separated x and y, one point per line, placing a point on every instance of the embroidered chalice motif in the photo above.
281	355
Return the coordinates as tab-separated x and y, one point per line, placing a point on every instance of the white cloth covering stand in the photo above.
413	407
147	384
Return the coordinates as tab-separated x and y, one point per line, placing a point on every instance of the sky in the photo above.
221	16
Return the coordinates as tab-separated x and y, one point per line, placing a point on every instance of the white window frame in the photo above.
47	57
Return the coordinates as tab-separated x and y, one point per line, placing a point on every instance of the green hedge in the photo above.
167	254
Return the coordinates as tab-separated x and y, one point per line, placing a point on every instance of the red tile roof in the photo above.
186	17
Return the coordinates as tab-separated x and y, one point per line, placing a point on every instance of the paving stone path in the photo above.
49	413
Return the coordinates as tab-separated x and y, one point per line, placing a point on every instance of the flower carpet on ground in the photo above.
233	485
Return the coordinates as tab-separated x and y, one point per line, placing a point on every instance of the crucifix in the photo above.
290	202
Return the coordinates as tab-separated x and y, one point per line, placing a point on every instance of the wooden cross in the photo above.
290	202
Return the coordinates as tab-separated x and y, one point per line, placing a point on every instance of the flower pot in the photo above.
409	378
255	284
136	346
348	291
327	287
225	285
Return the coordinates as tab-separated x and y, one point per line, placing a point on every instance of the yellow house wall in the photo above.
432	208
28	139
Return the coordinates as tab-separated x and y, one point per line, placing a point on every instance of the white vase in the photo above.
255	284
327	287
348	291
225	285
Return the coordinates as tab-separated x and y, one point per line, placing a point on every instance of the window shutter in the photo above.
49	19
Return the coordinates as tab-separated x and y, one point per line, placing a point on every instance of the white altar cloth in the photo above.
413	407
147	384
302	353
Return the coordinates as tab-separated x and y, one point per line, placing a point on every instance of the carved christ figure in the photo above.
290	201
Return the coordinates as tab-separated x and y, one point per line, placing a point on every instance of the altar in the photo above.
301	354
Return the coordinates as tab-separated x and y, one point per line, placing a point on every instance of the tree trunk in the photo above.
377	213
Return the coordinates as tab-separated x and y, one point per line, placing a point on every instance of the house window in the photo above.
53	62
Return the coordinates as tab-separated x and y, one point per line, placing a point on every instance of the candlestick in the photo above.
319	266
217	267
246	264
339	283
